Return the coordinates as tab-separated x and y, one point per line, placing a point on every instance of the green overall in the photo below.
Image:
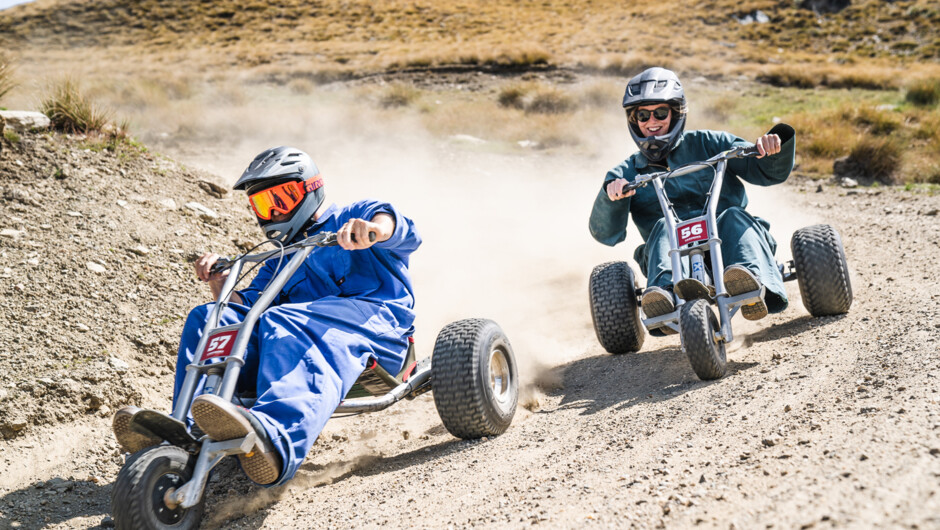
745	239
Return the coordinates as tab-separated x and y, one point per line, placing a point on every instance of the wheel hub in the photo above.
500	376
164	513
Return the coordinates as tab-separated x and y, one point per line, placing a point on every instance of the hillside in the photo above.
348	38
96	250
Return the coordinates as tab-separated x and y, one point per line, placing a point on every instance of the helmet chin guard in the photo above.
652	86
276	166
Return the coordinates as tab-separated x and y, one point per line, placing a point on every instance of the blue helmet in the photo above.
277	166
652	86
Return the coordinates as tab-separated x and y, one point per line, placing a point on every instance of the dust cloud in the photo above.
505	234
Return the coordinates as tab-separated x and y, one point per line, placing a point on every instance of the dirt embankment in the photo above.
820	423
95	253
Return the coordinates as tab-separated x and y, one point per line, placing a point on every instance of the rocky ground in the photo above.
830	422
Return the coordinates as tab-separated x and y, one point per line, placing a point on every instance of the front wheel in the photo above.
474	379
614	308
138	495
821	270
697	329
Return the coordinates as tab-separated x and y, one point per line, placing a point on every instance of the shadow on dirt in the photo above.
788	329
597	383
54	501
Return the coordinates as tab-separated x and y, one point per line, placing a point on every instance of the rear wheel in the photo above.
821	270
139	493
697	329
614	308
474	378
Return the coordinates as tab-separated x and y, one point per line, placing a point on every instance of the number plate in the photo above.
219	345
691	232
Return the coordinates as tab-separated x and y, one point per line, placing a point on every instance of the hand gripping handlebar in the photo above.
737	152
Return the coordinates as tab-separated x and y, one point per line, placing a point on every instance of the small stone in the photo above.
73	214
140	250
82	328
769	442
107	522
849	182
121	203
169	204
11	233
202	210
118	364
787	408
95	267
932	212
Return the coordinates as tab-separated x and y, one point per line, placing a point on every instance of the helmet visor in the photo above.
281	198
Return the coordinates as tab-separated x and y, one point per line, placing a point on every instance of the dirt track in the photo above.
820	422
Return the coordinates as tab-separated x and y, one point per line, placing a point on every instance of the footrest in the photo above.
164	426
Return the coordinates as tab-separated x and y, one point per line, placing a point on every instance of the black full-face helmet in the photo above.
652	86
284	180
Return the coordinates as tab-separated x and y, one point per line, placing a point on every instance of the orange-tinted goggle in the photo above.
282	198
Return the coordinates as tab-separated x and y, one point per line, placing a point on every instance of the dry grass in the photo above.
341	38
878	157
399	95
71	111
6	75
924	92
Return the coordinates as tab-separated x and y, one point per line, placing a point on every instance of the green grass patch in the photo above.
11	136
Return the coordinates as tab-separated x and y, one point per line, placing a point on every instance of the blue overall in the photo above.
310	346
745	239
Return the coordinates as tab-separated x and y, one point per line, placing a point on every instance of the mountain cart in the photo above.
818	264
471	373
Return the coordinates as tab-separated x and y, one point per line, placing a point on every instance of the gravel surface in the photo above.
820	422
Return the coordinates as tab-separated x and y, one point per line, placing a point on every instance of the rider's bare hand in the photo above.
216	280
615	190
769	144
382	225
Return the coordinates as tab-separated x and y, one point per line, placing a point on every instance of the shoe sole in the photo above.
219	424
689	290
739	281
656	304
130	440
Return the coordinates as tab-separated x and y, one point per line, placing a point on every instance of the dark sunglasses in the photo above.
660	113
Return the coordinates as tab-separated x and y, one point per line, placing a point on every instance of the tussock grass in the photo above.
550	100
831	76
399	95
72	112
6	75
924	92
877	121
879	158
513	96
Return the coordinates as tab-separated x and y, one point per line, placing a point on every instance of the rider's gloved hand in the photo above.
614	188
769	144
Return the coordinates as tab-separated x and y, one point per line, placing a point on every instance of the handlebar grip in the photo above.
750	151
220	265
372	237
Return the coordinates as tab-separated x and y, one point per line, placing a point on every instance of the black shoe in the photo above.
739	280
222	420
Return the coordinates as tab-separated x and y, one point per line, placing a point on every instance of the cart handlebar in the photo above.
320	239
737	152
